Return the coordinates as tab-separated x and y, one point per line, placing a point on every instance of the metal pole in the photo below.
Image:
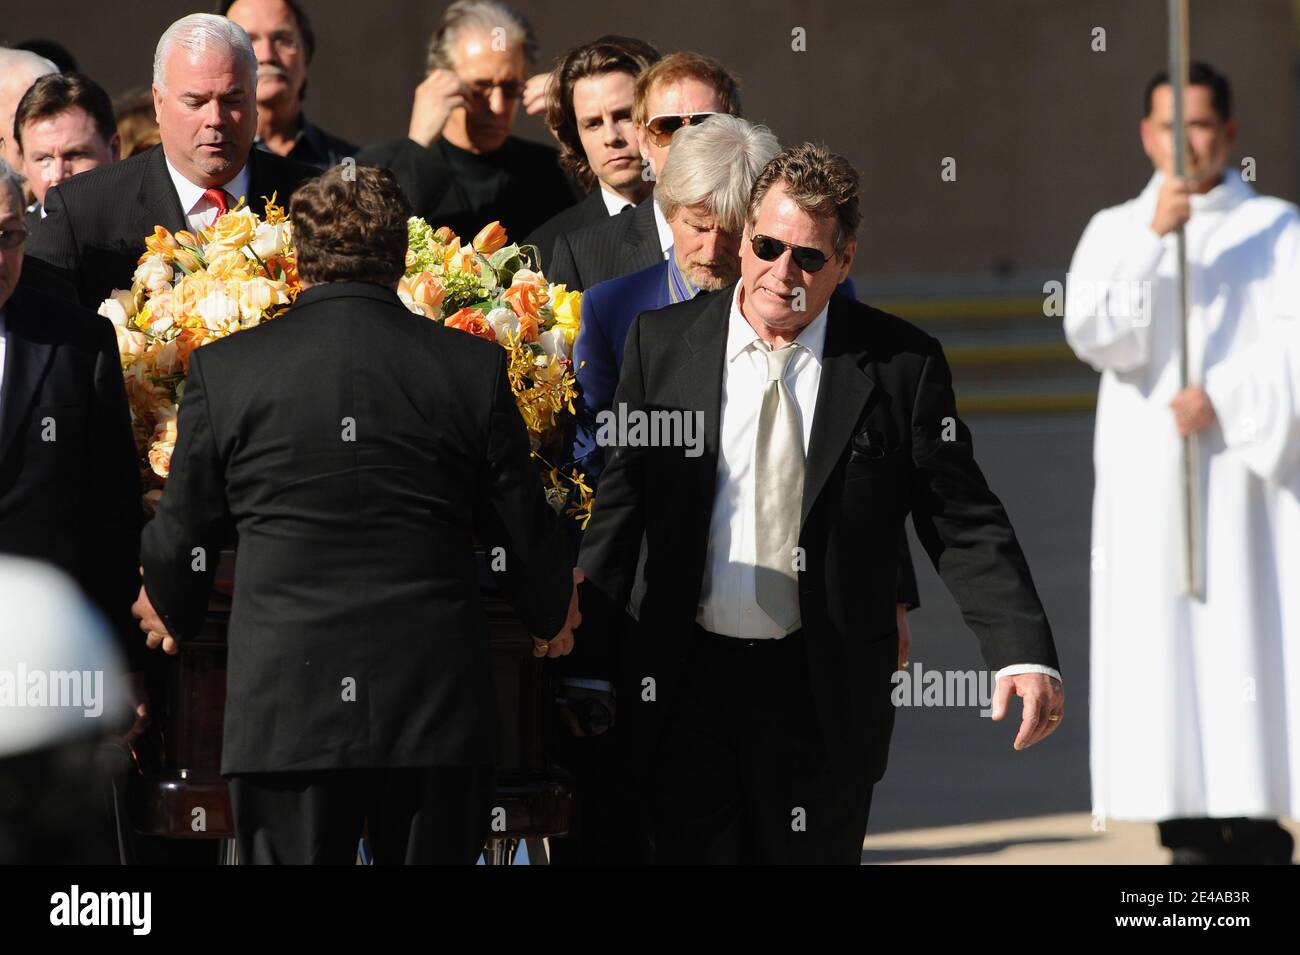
1178	57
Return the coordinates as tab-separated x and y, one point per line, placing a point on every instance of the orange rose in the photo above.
528	330
188	340
473	321
490	238
427	289
526	299
444	235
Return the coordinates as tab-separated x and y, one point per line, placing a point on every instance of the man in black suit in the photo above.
589	108
678	90
757	686
63	126
459	165
69	487
205	74
357	452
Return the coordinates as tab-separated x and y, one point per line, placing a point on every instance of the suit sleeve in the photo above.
115	512
611	545
908	594
966	532
55	245
562	269
512	513
598	376
193	523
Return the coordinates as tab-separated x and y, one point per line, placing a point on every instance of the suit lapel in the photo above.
700	389
641	239
844	391
157	202
26	361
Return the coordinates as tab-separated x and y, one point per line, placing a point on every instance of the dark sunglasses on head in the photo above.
661	128
769	250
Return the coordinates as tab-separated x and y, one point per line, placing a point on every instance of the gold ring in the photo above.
541	648
1055	718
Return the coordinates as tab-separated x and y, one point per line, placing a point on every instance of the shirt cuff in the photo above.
1017	668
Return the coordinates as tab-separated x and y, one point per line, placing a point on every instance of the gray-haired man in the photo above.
204	80
459	164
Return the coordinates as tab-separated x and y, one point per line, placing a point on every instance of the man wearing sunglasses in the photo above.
680	90
756	686
459	165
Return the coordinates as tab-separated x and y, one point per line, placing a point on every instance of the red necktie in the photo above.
218	198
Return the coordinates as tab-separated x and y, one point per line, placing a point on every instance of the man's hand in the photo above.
1043	697
1192	410
156	634
535	92
904	635
562	643
435	98
1173	206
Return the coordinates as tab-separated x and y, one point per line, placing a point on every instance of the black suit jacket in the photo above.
356	565
590	211
877	452
625	243
69	484
96	222
535	188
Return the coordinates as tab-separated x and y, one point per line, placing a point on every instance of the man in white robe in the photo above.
1195	706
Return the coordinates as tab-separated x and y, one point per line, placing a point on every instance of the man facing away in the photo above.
356	452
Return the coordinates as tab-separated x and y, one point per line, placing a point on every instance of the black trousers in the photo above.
742	773
437	815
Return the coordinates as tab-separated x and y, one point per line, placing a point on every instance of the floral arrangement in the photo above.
191	289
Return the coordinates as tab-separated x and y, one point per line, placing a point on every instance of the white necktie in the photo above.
778	492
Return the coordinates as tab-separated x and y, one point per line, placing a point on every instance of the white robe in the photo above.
1195	707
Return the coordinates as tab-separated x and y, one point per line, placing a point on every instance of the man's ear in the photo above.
846	261
157	101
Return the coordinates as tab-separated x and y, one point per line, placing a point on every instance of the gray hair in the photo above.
715	163
9	180
15	64
487	16
196	33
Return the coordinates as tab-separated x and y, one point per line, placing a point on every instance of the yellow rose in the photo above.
231	265
258	295
567	307
230	233
154	272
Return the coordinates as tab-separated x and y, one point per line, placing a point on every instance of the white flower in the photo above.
504	322
409	302
218	310
154	273
267	240
555	344
119	307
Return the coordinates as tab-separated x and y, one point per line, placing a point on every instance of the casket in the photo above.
178	791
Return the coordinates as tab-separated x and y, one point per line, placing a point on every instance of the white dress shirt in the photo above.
728	603
661	226
614	203
199	212
2	361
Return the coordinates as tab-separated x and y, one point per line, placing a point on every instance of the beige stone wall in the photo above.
1043	129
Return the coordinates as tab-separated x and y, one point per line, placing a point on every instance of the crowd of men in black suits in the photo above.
737	741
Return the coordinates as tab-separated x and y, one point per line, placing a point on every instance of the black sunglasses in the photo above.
769	250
